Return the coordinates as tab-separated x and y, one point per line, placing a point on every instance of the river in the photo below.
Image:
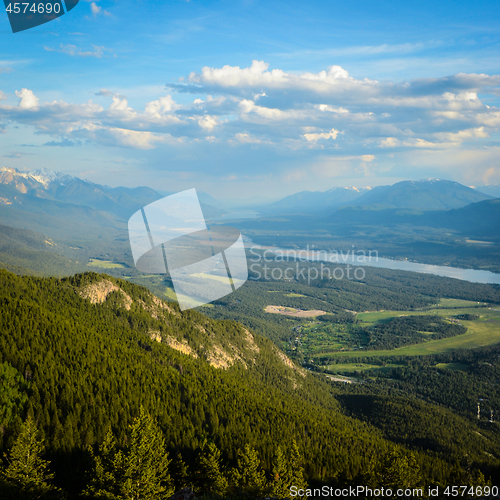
358	258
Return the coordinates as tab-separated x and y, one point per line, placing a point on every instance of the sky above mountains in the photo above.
255	98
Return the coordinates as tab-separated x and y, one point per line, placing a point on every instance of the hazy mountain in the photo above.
21	182
120	201
477	219
427	194
56	186
491	189
47	177
28	252
314	201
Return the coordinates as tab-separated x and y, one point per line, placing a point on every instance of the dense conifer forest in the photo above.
96	371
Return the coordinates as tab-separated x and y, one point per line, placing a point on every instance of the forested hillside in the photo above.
82	355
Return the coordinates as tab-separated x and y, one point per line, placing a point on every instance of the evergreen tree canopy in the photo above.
211	477
27	475
138	473
249	476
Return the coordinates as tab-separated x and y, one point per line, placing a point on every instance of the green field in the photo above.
479	334
355	367
105	264
360	367
171	295
222	279
320	336
333	340
458	303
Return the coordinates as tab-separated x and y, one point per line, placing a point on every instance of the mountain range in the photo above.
82	221
491	189
427	194
314	201
56	186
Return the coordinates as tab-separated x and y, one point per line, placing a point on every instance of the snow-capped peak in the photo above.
46	177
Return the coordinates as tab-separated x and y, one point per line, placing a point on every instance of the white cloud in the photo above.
131	138
290	112
161	106
208	122
463	135
323	135
389	142
243	138
73	50
104	92
28	99
368	158
334	79
96	10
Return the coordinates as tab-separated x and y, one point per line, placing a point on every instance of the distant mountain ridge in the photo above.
46	176
57	186
491	189
314	201
83	220
426	194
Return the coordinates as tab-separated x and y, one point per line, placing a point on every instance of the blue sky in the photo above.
251	98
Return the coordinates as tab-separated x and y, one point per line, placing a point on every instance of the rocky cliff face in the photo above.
222	349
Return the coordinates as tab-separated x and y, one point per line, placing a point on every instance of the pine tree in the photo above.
138	473
104	482
279	484
400	469
463	473
27	473
248	475
211	478
296	471
145	467
180	473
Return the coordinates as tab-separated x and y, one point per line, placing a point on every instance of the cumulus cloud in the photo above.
104	92
258	76
208	122
323	135
28	99
160	107
117	125
265	107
